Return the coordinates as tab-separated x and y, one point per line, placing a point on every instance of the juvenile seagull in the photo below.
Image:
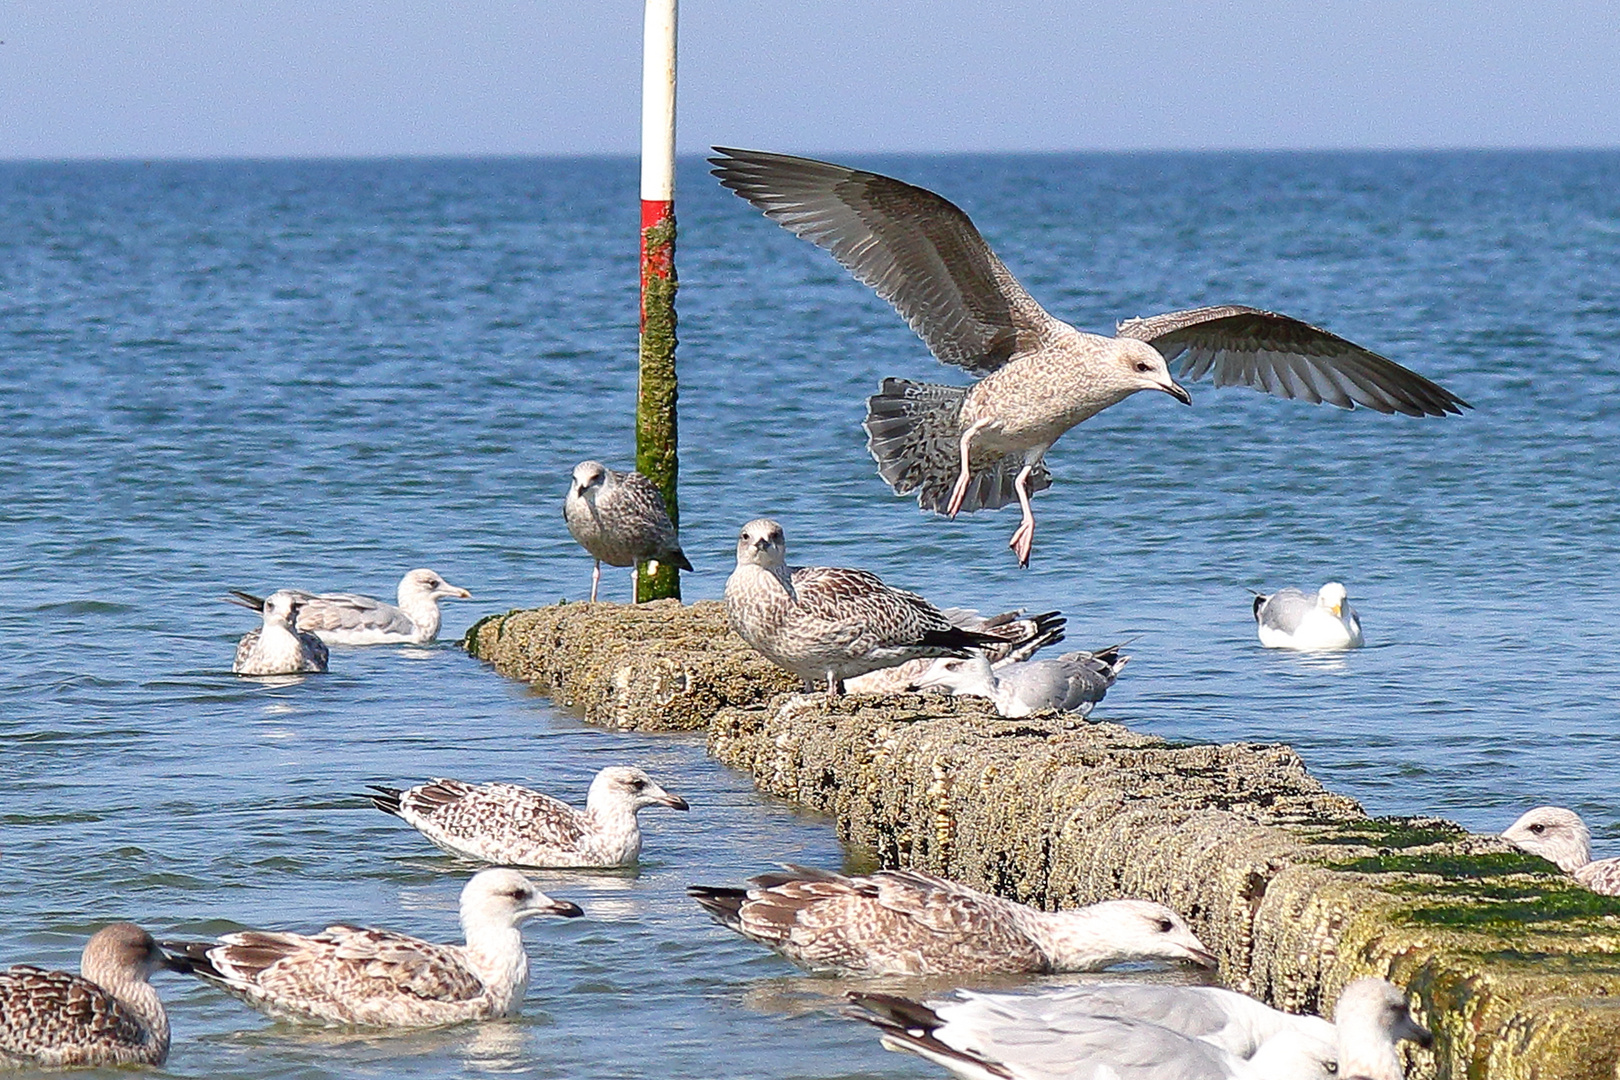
983	446
1022	636
1147	1032
1289	619
278	647
108	1014
1074	682
349	619
906	922
828	623
378	978
620	518
1560	836
510	825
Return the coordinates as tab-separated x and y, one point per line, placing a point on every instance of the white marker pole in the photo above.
655	403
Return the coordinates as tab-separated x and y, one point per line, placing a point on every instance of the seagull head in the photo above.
1372	1016
1556	834
1117	931
971	675
1333	596
1142	367
624	785
281	608
589	475
504	899
427	585
122	951
762	543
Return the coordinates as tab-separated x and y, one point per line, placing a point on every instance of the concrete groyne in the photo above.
1515	967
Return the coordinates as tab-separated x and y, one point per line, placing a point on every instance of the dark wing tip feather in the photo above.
386	799
244	599
723	903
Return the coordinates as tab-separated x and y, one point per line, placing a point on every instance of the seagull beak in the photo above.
1203	957
456	590
1415	1031
1176	391
545	905
674	802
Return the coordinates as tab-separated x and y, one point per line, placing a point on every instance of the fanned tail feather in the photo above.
385	799
724	904
914	433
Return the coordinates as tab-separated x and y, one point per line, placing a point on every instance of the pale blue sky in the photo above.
167	78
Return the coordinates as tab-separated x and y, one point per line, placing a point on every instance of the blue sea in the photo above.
322	374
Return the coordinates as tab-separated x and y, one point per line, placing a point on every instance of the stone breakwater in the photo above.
1294	887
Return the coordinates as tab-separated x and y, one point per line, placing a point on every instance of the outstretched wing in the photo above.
918	251
1262	350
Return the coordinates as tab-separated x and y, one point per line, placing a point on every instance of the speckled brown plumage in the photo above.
982	447
109	1015
620	518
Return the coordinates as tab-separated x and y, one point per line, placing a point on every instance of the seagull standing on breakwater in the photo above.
350	619
906	922
981	447
620	518
108	1014
378	978
827	624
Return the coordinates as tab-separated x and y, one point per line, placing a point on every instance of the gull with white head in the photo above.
108	1014
1560	836
352	619
510	825
1291	619
907	922
1148	1032
982	447
349	975
621	519
828	624
278	647
1073	682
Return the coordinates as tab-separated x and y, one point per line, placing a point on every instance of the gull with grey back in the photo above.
1147	1032
982	447
1022	636
620	518
1560	836
352	619
908	922
509	825
351	975
277	646
108	1014
1291	619
1073	682
828	624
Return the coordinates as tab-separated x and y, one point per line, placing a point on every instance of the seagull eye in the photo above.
637	785
1538	829
1142	365
1165	926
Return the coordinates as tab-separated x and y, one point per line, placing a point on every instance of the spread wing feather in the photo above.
1276	354
915	249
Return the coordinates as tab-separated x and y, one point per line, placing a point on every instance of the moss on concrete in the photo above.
1293	886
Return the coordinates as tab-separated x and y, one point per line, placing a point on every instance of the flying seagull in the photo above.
981	447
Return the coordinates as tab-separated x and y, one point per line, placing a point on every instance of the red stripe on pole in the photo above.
656	261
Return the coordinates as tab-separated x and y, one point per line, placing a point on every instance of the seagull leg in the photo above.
835	685
959	492
1024	539
596	577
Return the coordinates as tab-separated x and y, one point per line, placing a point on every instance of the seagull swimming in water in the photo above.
278	647
350	975
1148	1032
907	922
351	619
621	520
1289	619
510	825
981	447
108	1014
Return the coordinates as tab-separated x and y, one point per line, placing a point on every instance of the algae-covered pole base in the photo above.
655	398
